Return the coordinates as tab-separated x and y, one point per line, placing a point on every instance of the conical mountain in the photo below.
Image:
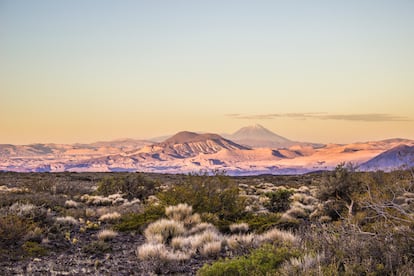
259	137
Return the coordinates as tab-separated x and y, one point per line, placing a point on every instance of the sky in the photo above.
93	70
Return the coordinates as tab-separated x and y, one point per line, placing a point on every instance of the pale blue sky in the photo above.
79	71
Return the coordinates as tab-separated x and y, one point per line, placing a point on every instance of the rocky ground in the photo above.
120	260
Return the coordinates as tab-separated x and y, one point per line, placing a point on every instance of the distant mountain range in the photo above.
250	150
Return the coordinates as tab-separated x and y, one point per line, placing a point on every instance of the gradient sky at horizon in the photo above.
320	71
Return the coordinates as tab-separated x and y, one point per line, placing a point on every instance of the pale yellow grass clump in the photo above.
106	234
182	243
96	200
67	220
5	189
201	227
177	256
71	204
110	216
297	212
179	212
164	227
286	217
22	209
303	198
308	208
301	265
159	252
325	219
239	227
207	236
242	242
275	234
117	199
192	220
211	249
149	251
303	189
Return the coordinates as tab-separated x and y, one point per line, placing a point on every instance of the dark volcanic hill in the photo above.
187	144
398	157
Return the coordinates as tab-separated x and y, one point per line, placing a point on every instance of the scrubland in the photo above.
327	223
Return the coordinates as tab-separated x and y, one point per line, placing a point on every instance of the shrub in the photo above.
13	230
207	194
262	261
137	222
34	249
262	222
97	247
132	185
342	186
279	201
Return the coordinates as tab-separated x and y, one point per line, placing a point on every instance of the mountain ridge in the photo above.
188	151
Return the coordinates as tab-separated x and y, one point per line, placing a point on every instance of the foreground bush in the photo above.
132	185
215	194
262	261
138	222
279	201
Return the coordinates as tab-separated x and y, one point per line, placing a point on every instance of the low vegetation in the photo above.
342	222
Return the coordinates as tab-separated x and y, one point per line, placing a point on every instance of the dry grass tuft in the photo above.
239	227
242	243
167	229
114	216
71	204
179	212
106	234
149	251
67	220
201	227
277	235
211	249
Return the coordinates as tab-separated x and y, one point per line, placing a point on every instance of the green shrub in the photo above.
261	222
97	247
215	194
13	230
138	222
34	249
279	201
132	185
262	261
